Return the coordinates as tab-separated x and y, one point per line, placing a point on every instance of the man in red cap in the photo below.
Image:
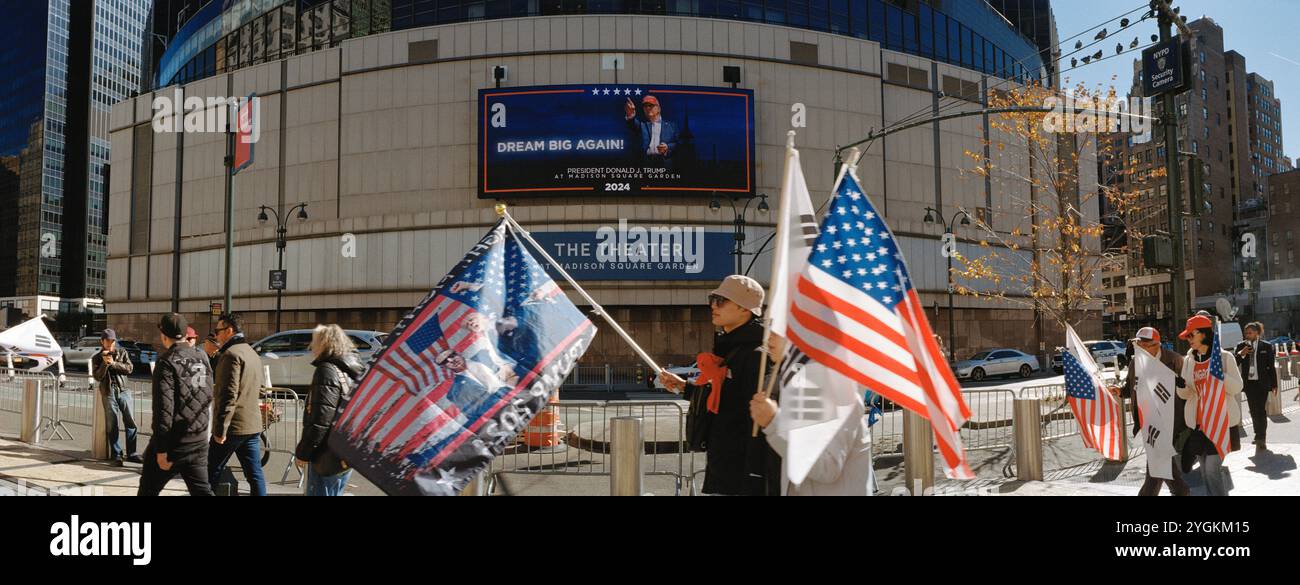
191	337
1148	340
1196	366
654	137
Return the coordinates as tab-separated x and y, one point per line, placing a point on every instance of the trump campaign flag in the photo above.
1097	412
854	310
815	401
463	373
32	339
1154	387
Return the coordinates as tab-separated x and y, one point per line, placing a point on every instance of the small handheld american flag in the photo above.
1096	410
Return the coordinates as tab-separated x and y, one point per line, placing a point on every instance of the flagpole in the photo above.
596	308
765	388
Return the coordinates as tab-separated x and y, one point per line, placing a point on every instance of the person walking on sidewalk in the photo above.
111	366
237	414
1148	340
738	462
1196	367
182	395
1255	359
337	372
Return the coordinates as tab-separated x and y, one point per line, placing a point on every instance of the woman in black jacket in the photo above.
738	462
337	373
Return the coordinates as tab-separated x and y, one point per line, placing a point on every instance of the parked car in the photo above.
78	354
687	373
1104	352
996	362
141	354
288	354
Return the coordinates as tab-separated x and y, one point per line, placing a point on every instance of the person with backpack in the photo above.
337	372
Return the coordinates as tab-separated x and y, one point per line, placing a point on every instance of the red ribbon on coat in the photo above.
713	372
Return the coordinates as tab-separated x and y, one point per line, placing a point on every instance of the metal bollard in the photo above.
1027	423
918	453
98	426
626	445
476	486
31	419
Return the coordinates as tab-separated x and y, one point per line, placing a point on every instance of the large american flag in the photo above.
855	311
463	373
1212	407
1096	411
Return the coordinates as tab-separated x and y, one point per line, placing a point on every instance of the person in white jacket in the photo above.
1200	334
844	468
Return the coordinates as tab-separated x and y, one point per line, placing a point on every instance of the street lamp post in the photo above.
931	216
281	229
739	221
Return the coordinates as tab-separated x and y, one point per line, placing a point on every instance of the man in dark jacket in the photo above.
182	394
236	412
1148	340
1255	359
111	366
739	463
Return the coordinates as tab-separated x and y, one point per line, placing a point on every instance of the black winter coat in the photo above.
182	394
739	463
331	388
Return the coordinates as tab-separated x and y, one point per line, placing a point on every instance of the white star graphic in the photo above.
853	243
840	211
827	263
638	91
862	272
854	195
882	250
595	91
870	215
842	259
871	257
881	285
821	247
857	257
889	299
847	274
606	91
831	230
837	245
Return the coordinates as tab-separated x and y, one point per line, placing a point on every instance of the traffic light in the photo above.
1157	252
1195	185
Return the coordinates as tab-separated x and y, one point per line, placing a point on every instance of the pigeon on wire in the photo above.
1078	45
1134	44
1101	35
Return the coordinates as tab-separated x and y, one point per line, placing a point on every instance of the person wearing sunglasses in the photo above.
738	462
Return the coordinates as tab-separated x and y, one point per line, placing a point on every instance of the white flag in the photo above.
32	339
1154	390
815	402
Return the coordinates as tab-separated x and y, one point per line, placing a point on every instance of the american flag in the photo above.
1212	407
1096	411
463	373
855	311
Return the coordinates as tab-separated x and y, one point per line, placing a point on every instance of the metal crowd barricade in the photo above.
1057	418
585	450
282	418
51	425
990	425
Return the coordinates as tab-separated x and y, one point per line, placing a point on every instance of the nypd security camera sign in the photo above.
1165	68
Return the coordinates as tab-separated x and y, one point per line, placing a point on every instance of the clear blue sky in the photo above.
1264	31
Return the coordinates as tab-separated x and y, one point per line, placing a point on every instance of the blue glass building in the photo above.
225	35
63	65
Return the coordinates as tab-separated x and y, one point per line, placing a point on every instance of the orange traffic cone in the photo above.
546	430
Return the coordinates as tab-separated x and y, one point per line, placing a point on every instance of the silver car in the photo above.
288	357
77	356
996	362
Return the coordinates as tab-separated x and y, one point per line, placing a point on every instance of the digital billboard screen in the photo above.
615	139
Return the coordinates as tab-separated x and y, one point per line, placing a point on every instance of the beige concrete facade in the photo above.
384	149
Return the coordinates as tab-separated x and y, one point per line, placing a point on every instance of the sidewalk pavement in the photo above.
25	467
